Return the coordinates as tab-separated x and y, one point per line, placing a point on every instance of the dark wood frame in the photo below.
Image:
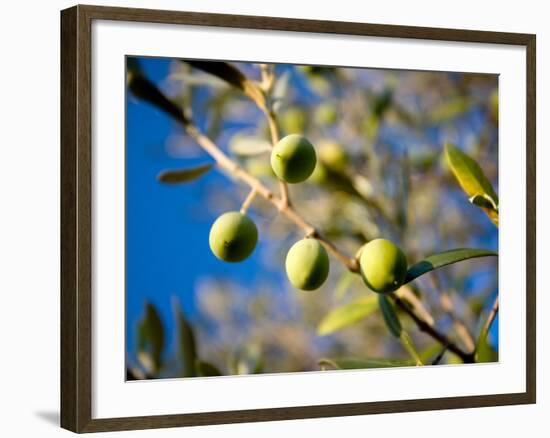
76	226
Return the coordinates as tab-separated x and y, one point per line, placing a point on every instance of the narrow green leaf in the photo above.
183	175
246	146
408	344
233	76
449	110
445	258
390	317
350	363
347	315
187	344
144	89
468	173
483	201
206	369
150	339
472	179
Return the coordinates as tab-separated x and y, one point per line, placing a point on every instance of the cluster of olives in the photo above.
234	235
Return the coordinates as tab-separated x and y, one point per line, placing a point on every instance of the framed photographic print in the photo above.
268	219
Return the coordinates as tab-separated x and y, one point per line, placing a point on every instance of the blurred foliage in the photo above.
406	155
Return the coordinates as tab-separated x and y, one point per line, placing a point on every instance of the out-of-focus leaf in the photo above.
187	344
144	89
408	344
350	363
280	90
484	352
344	282
206	369
247	360
449	110
233	76
445	258
183	175
472	179
347	315
150	339
246	146
390	317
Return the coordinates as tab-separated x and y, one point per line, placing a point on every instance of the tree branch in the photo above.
433	332
255	184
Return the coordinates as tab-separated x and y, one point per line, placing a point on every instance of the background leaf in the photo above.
233	76
206	369
351	363
247	145
187	344
150	338
347	315
183	175
390	317
445	258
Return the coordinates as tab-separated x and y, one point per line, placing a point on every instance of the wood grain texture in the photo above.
76	222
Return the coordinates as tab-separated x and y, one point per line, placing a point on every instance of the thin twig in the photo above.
433	332
487	326
274	131
238	172
249	199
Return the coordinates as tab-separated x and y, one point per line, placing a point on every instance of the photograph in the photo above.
288	218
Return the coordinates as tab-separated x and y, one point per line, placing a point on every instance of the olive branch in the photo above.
143	88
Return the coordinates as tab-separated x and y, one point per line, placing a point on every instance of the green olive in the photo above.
325	114
383	265
333	155
293	120
307	264
233	237
293	159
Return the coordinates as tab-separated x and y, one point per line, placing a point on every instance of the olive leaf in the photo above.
187	343
450	109
472	180
144	89
445	258
390	317
150	339
246	145
234	77
351	363
206	369
347	315
183	175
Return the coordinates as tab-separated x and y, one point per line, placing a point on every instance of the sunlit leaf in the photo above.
350	363
472	179
233	76
183	175
390	317
347	315
150	339
445	258
246	145
344	283
206	369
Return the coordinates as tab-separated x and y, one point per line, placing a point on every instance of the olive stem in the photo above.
432	331
286	209
248	201
487	326
255	184
274	131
